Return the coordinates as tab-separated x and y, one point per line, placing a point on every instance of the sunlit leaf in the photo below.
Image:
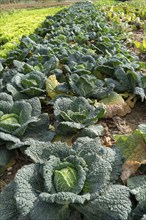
51	84
137	44
144	43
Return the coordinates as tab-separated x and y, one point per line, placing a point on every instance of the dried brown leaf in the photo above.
135	160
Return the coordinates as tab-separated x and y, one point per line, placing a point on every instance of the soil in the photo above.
10	172
123	125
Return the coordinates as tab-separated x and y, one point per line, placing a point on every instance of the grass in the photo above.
14	24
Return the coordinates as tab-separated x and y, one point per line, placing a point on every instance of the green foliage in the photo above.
17	121
89	86
73	114
137	187
140	45
81	59
75	58
27	86
56	186
16	116
129	16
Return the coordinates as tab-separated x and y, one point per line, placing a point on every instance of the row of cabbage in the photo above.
58	83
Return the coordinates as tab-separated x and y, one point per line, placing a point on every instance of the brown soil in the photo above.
123	125
10	172
36	5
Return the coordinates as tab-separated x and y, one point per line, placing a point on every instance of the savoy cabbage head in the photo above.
89	86
66	181
15	116
74	113
27	86
19	121
80	63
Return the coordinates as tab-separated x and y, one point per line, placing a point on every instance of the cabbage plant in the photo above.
73	114
67	183
16	116
19	121
89	86
27	86
80	63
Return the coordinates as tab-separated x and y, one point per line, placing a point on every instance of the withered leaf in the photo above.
114	104
133	149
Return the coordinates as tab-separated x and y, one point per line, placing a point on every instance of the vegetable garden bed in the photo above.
16	23
64	90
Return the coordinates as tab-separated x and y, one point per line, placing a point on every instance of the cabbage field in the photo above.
73	115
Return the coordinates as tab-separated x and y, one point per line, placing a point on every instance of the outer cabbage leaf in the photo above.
41	151
142	129
144	217
7	200
1	67
111	204
26	196
92	131
49	211
39	130
113	156
137	186
6	103
8	138
139	211
140	91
